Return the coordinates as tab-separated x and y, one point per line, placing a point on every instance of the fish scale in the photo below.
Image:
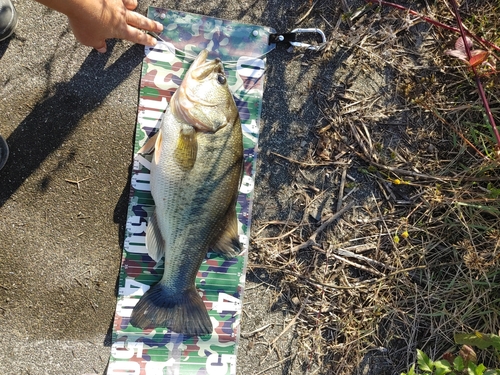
187	195
195	175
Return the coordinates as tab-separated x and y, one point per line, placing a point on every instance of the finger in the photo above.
102	49
99	46
88	39
143	23
130	4
138	36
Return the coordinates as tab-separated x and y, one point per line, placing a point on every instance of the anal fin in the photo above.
228	244
155	243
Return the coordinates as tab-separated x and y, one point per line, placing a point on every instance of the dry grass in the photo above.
414	256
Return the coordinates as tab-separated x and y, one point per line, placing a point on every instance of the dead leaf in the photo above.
478	56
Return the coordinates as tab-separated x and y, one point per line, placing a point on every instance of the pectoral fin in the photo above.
158	146
187	148
149	146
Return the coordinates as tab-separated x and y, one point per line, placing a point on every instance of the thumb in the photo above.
102	49
130	4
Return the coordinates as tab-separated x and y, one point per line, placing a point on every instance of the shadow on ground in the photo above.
55	117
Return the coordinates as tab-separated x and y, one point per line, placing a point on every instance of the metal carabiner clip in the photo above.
307	45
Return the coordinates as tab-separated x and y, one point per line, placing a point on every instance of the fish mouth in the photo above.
201	68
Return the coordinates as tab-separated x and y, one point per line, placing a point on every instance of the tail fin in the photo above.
184	313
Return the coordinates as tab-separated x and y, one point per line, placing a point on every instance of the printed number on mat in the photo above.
126	350
227	302
220	364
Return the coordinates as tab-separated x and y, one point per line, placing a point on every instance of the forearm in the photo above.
68	7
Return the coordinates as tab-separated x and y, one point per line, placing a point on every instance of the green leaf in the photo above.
443	363
442	367
458	364
472	369
494	192
441	371
480	369
481	340
411	371
424	363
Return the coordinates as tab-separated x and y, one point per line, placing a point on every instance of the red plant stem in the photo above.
436	23
476	76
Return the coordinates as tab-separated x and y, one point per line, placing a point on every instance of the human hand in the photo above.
94	21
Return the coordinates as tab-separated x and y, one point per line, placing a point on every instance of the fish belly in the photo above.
193	209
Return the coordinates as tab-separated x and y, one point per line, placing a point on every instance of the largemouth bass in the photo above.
195	176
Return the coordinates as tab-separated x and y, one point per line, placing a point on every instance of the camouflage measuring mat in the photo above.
160	351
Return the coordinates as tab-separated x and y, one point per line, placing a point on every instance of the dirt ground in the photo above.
68	115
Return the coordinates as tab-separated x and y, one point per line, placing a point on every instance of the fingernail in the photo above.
101	50
159	26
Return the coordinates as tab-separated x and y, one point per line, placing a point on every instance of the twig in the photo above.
422	175
278	237
331	220
458	132
292	322
356	249
312	239
247	288
372	271
274	222
347	253
351	192
407	270
369	141
341	189
385	189
318	314
361	144
77	182
274	365
370	158
307	13
304	164
316	284
249	334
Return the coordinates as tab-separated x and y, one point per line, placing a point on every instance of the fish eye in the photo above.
221	78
